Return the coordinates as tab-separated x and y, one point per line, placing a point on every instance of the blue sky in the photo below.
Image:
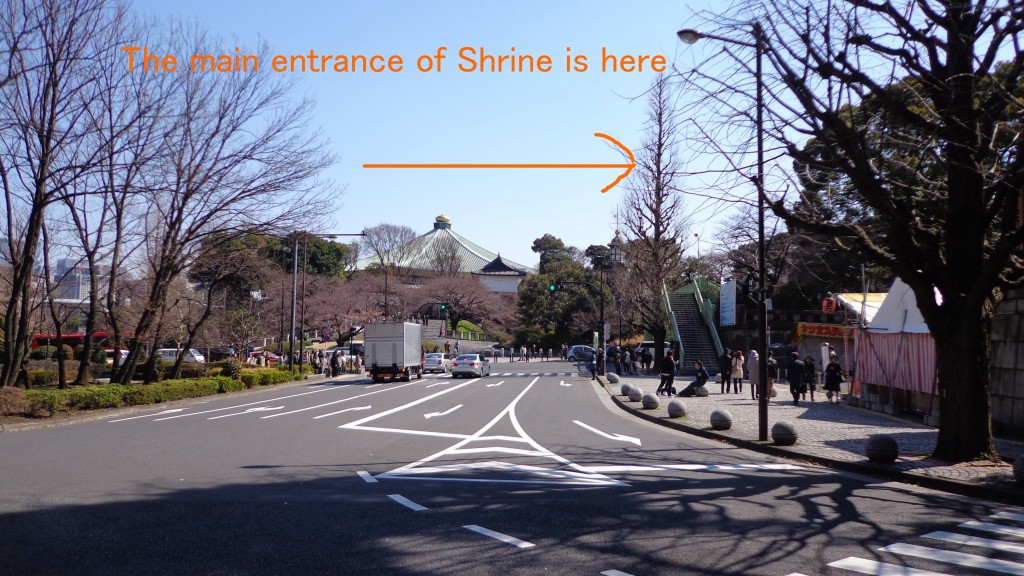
468	117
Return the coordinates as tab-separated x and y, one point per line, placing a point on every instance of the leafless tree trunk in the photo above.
390	245
654	223
444	258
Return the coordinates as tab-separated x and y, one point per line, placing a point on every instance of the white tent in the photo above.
899	312
897	349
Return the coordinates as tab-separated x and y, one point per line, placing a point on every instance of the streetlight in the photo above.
689	36
295	281
697	236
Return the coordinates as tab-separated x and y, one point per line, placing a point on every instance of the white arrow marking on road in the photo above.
619	437
498	384
437	384
258	409
445	413
171	411
562	383
345	410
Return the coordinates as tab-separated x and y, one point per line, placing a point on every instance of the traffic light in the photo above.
444	306
555	287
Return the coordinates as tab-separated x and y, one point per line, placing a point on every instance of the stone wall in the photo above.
1008	365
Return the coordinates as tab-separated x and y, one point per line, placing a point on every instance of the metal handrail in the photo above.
672	322
707	310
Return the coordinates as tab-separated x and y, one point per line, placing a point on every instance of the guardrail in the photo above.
707	310
672	322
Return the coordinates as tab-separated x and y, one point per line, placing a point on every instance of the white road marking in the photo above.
615	573
437	384
406	502
562	383
618	437
340	401
875	568
795	574
257	409
254	403
171	411
959	558
445	413
579	476
367	477
1009	516
497	384
358	424
997	528
499	536
357	408
687	467
966	540
373	386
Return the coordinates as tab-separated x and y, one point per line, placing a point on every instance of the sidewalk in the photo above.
830	435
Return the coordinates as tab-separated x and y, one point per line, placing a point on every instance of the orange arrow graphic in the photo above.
629	167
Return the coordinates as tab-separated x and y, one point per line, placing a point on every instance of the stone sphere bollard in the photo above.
721	419
881	448
625	389
677	408
635	394
650	401
1018	469
700	391
784	433
613	378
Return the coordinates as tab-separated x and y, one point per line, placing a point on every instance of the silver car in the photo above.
437	362
469	365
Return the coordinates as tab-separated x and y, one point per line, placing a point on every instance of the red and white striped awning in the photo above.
902	360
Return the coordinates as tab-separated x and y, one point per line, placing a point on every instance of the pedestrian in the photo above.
593	367
833	378
701	379
616	358
600	361
725	369
795	375
810	376
335	364
754	373
667	369
447	347
773	373
737	371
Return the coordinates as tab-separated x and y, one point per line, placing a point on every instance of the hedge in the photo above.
51	402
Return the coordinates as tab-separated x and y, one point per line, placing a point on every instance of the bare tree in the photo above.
49	83
390	244
910	111
443	257
653	219
237	156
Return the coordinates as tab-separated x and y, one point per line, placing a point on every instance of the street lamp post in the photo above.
690	36
295	280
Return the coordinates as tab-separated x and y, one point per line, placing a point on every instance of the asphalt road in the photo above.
528	471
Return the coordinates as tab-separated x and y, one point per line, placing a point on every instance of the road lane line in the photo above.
615	573
171	411
1009	516
879	568
965	540
358	424
340	401
253	403
406	502
445	413
250	410
367	477
610	436
499	536
357	408
997	528
959	558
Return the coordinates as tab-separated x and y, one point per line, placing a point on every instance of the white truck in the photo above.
394	351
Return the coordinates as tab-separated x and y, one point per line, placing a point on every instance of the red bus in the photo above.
73	340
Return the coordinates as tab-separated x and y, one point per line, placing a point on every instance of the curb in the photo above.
973	490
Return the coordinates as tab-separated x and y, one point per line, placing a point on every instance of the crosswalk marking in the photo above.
1009	516
876	568
996	528
499	536
958	558
966	540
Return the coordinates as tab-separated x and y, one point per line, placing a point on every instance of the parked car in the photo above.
110	355
437	362
218	353
649	345
580	352
471	365
171	354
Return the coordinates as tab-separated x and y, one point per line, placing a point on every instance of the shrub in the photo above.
231	368
13	401
48	401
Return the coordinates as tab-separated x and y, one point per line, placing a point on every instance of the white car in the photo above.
581	353
171	354
437	362
469	365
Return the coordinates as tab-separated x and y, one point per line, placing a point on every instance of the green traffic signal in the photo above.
444	306
553	287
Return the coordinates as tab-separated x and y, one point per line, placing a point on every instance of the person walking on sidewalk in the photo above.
833	378
753	372
737	371
810	376
725	369
668	375
795	375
